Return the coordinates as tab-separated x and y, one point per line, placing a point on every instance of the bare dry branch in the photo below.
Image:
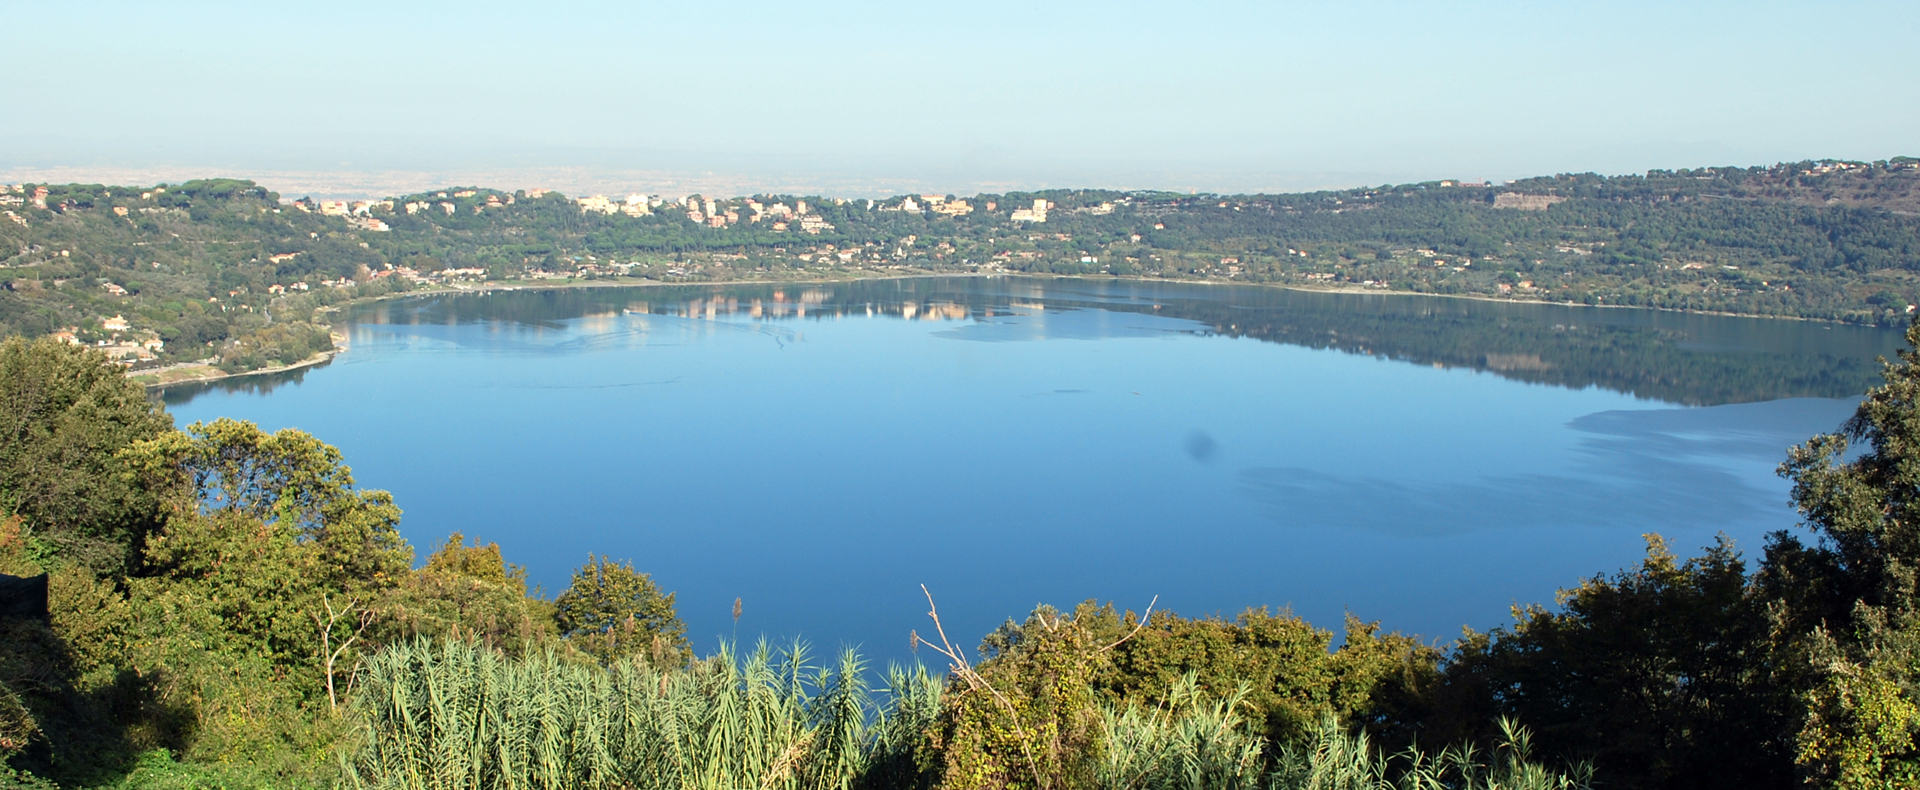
331	653
975	681
1136	628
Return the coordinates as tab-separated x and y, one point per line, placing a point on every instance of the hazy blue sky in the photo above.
1224	95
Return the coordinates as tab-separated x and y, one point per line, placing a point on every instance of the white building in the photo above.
1036	214
598	203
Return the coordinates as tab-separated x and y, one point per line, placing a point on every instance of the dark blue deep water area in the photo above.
821	451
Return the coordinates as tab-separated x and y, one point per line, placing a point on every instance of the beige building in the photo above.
1036	214
598	203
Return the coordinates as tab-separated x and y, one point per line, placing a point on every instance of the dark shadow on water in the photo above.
1663	469
255	384
1201	447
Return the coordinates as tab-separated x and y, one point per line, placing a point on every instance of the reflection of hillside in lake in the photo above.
1676	357
821	450
255	384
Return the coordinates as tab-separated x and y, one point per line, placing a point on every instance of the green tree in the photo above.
1287	671
611	610
1664	675
1849	599
65	415
1027	717
469	591
259	593
288	480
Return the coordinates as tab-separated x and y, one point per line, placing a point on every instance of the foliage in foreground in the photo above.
64	417
452	715
449	715
212	590
1335	759
1029	714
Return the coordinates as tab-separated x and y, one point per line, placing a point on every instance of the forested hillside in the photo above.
226	269
189	269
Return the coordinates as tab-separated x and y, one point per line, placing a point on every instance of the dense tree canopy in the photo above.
612	610
65	417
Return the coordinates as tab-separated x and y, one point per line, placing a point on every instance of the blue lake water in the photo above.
821	451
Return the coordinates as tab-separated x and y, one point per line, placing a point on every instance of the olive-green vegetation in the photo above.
65	420
450	714
192	268
229	608
215	589
611	611
1045	705
221	269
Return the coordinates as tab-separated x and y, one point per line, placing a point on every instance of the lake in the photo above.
820	451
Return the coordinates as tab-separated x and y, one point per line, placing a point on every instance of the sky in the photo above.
954	97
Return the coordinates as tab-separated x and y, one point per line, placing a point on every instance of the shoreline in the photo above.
526	286
340	346
215	374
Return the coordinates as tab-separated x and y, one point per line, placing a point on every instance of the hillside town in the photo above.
135	270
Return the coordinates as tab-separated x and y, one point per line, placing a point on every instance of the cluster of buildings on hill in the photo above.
20	195
117	338
358	213
633	206
16	195
714	213
781	217
447	275
1823	168
938	204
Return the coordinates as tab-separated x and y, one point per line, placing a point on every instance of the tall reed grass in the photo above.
449	715
1186	744
1191	743
1335	759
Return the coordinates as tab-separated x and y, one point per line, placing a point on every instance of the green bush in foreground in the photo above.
157	770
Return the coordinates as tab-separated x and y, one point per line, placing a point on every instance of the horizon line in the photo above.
576	181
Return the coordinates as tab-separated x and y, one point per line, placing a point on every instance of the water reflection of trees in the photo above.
251	384
1682	358
1696	360
1691	359
1646	362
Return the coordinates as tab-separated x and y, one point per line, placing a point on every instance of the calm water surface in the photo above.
821	451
